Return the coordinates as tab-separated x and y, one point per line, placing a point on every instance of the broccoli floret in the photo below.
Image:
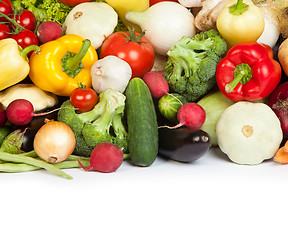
108	127
120	26
102	124
121	135
192	62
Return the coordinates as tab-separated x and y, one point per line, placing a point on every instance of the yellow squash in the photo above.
123	6
62	64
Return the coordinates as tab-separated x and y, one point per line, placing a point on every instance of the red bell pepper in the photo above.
248	72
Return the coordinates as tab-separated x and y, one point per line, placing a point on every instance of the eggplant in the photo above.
183	144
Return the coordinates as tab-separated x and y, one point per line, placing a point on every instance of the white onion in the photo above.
271	31
164	23
190	3
54	142
110	72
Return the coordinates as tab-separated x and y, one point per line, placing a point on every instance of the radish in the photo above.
190	115
156	83
49	31
3	117
105	157
21	111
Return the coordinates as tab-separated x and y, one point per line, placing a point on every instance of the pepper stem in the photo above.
238	8
242	74
74	62
25	51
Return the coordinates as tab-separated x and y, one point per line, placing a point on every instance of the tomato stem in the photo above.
18	28
132	36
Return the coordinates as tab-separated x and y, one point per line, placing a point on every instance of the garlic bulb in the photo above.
110	72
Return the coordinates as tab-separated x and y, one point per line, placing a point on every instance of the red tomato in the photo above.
138	54
5	8
152	2
84	99
4	31
26	38
26	19
73	3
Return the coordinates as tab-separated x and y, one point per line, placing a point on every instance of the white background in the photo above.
211	198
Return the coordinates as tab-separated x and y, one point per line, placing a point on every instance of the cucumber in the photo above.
142	124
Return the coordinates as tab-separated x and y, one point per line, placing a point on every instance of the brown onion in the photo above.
54	141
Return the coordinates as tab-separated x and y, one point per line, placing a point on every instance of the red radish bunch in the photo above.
105	157
49	31
156	83
2	115
190	115
20	112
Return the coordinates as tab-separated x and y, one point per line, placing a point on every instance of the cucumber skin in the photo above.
142	124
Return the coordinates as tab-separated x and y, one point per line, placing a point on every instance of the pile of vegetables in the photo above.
90	84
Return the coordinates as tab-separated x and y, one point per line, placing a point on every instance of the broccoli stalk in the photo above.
192	62
102	124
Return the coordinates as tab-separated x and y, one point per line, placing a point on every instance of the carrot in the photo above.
281	155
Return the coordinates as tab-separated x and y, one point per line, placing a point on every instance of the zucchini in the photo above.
4	132
142	124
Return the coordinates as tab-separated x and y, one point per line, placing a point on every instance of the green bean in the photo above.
17	167
29	154
126	156
18	158
72	164
22	167
75	157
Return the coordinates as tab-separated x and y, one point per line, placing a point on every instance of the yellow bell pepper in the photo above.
62	64
240	21
123	6
14	62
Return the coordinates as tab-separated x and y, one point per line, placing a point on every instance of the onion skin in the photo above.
278	101
54	142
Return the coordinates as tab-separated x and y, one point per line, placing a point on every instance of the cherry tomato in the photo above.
4	31
73	3
152	2
5	8
138	54
26	38
26	19
84	99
